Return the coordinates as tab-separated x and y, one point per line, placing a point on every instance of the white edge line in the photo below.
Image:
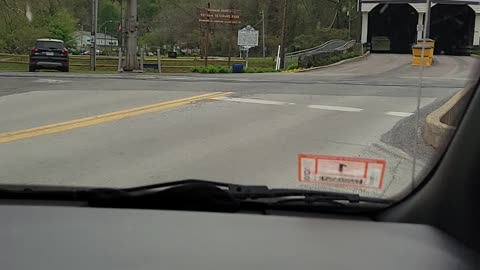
399	114
335	108
254	101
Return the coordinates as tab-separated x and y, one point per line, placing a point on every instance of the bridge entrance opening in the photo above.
392	28
452	28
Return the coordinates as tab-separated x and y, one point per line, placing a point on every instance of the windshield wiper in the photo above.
198	195
224	197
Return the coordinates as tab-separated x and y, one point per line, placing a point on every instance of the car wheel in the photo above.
66	69
32	68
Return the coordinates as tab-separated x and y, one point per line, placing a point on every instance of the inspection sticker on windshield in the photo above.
343	171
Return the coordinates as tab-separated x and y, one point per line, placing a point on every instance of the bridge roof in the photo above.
451	2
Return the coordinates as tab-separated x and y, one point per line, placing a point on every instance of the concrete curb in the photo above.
350	60
73	75
435	130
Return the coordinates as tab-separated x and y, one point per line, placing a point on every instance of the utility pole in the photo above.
263	33
349	25
132	61
105	38
207	38
122	24
230	40
427	19
284	34
93	38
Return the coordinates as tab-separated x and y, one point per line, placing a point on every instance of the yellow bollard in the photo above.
428	42
417	61
417	55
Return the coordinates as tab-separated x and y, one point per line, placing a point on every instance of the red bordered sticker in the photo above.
341	171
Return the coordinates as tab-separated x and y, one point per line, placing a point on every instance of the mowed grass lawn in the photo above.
106	64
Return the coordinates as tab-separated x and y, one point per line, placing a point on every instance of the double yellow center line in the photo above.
104	118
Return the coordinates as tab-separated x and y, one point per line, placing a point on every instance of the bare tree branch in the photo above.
12	8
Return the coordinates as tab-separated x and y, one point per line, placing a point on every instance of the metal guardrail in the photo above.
346	46
334	45
321	47
331	45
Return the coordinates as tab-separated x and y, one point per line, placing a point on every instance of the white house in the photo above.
83	39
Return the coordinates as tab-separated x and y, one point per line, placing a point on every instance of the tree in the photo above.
109	15
62	26
175	22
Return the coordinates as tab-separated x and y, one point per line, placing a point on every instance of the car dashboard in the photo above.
63	237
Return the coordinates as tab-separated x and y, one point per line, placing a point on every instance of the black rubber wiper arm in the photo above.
196	195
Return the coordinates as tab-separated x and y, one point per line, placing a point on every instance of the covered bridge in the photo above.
391	25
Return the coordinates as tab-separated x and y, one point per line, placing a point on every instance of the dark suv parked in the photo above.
49	54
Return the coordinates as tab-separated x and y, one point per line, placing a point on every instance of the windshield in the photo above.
49	45
347	96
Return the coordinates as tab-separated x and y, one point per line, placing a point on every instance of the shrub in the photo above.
196	69
212	69
292	66
224	69
260	70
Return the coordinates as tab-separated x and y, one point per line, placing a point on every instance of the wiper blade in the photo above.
201	193
196	195
180	195
262	192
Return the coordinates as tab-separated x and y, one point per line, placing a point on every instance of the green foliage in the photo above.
196	69
18	32
317	37
175	23
224	69
292	67
212	69
108	16
323	60
259	70
62	26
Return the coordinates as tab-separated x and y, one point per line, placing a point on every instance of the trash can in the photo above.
237	68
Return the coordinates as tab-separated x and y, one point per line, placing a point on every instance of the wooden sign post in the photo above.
209	16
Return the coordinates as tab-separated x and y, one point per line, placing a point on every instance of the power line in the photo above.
306	8
331	25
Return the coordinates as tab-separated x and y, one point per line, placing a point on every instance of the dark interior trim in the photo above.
450	198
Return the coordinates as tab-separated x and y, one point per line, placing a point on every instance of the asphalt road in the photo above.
249	132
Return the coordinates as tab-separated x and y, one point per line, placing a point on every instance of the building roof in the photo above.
99	35
452	2
50	39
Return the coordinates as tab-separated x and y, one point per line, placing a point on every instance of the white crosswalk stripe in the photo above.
399	114
255	101
335	108
317	107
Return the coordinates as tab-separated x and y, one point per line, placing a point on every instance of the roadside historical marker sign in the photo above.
248	37
341	171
